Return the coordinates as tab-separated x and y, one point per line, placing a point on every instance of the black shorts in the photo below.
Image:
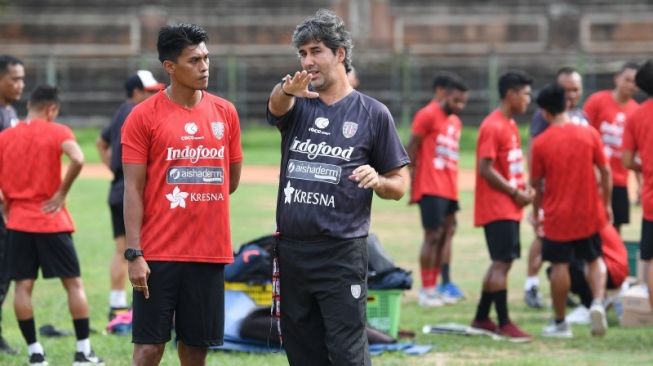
54	253
620	205
117	220
646	245
323	301
434	209
502	239
587	249
191	292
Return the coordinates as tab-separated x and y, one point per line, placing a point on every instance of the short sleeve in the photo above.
282	122
64	133
629	141
388	153
235	147
599	157
591	110
487	142
422	123
136	138
537	165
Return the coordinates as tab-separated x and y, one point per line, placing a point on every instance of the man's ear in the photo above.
341	54
169	67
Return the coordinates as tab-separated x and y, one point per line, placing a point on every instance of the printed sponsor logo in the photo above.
218	129
313	150
206	197
191	129
321	123
317	172
177	198
195	175
296	195
194	154
349	129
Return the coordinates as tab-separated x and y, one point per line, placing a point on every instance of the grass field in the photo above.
396	224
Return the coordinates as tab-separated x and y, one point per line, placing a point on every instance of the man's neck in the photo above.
506	110
31	116
338	90
4	103
619	97
559	119
183	96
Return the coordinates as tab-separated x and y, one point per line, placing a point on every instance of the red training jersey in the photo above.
639	138
565	157
436	169
498	139
608	117
614	254
187	153
30	174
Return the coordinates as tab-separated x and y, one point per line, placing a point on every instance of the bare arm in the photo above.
498	182
630	161
391	185
283	94
139	271
606	189
74	153
413	146
234	176
104	150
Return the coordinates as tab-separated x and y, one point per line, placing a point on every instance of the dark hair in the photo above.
552	99
456	83
173	39
6	61
566	70
644	78
629	65
133	82
325	26
43	95
441	79
513	80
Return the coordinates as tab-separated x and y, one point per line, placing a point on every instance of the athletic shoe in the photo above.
429	299
512	333
87	360
5	347
451	291
486	325
555	330
37	359
533	298
598	320
580	315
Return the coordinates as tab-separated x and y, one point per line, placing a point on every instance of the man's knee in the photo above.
432	237
147	354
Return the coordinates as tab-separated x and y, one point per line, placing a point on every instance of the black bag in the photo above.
382	272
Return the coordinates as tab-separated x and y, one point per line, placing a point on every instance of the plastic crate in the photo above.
260	293
383	310
633	256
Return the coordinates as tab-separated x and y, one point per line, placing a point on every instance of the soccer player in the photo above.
12	83
563	162
433	147
339	147
500	195
638	139
569	79
608	111
38	224
139	87
181	157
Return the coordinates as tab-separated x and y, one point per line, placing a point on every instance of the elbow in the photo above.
233	187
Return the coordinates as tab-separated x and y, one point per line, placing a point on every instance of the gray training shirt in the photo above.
321	145
8	117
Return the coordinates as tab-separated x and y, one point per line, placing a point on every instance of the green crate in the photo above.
383	310
633	256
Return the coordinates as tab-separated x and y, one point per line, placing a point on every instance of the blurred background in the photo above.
89	47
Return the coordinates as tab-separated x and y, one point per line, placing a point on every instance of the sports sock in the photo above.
28	330
531	281
483	307
35	347
84	346
81	328
501	305
429	277
444	271
118	299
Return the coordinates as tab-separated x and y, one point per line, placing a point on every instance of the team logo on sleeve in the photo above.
218	129
349	129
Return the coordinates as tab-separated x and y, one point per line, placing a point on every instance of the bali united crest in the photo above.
218	129
356	291
349	129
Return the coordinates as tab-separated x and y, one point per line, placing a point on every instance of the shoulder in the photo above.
221	104
148	106
371	104
599	96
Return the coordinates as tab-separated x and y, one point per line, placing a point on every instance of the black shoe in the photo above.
87	360
532	298
37	359
5	347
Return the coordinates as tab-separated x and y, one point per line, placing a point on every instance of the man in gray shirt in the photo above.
12	83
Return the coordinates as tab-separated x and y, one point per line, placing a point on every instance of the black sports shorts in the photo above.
117	220
586	249
502	239
434	209
54	253
620	205
646	245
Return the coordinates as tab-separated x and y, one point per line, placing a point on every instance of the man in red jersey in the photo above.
433	147
638	139
500	195
181	159
564	157
39	225
608	111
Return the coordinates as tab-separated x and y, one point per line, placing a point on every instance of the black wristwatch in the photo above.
131	254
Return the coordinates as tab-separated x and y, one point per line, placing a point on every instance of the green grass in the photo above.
397	225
